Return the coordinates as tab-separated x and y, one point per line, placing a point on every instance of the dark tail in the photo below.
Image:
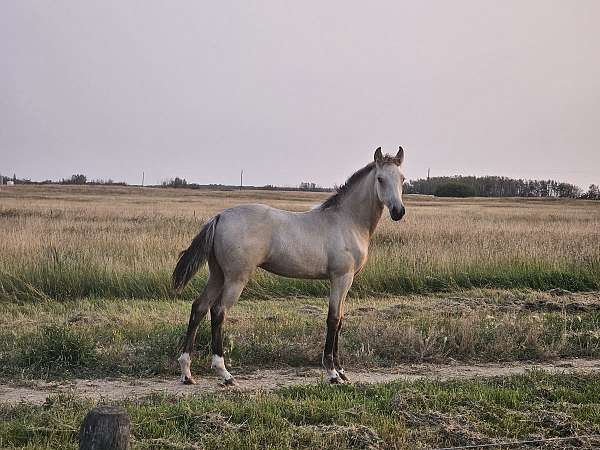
195	256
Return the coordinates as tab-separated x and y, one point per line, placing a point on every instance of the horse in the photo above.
330	242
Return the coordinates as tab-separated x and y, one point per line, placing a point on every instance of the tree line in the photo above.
78	179
454	186
494	186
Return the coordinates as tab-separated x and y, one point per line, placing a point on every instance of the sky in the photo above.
299	91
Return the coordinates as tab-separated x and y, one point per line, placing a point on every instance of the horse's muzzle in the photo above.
397	213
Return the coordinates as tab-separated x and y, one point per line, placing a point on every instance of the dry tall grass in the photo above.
68	242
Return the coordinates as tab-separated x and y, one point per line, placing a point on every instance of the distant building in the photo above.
10	183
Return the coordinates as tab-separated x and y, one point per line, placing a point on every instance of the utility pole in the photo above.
241	179
143	174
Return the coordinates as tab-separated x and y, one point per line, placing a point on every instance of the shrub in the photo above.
59	348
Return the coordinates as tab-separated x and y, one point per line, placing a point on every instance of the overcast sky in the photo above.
293	91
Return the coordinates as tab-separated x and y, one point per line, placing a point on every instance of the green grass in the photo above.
423	414
81	279
95	338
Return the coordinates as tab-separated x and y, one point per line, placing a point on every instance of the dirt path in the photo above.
268	379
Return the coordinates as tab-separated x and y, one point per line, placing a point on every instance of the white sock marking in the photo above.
185	363
218	364
332	374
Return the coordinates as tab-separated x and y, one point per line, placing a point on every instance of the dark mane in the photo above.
342	190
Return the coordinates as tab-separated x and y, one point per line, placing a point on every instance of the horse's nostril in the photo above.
397	213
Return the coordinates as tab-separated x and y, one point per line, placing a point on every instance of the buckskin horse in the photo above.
328	242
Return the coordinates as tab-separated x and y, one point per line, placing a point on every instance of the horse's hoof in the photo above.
344	377
336	380
189	380
229	382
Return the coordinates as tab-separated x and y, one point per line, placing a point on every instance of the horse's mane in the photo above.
342	190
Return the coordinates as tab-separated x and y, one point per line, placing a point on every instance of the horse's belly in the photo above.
290	266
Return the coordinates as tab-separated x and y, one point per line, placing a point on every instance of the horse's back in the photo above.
284	242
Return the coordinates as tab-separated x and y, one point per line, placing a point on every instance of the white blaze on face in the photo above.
218	364
185	363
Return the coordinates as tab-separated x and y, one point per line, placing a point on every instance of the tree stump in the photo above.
105	428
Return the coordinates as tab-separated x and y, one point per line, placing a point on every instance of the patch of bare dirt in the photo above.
269	379
311	310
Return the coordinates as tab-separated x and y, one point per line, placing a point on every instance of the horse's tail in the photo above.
195	256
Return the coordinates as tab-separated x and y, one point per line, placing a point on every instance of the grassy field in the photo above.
84	292
72	242
99	337
400	415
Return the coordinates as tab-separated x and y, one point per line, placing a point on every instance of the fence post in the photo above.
105	428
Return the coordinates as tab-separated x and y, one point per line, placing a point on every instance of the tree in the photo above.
454	189
494	186
568	190
78	179
593	192
308	186
75	179
175	182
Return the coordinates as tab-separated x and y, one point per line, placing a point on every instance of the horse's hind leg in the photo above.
231	292
200	307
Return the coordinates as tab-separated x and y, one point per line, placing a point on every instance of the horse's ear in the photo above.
378	155
399	156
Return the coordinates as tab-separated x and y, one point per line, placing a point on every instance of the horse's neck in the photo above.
362	204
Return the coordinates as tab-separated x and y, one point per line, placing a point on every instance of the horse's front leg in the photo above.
336	355
340	285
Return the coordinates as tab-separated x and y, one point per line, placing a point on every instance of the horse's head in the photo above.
389	181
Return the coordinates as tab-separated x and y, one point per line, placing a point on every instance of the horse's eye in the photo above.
380	179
